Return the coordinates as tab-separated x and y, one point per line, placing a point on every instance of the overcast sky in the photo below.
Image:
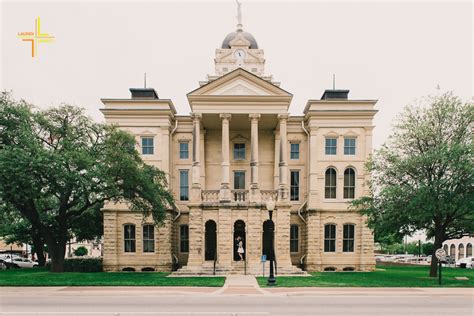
392	51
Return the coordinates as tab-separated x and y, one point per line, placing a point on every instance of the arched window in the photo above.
452	251
148	238
460	251
349	183
329	238
469	250
348	238
129	238
446	250
330	184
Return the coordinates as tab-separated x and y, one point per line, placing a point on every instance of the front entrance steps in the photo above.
237	268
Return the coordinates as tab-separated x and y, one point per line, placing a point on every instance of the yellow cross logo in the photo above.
36	37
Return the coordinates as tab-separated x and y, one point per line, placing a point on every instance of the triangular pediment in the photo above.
239	83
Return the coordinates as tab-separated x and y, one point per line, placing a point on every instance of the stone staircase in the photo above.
237	268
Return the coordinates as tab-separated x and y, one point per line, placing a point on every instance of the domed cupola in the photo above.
239	33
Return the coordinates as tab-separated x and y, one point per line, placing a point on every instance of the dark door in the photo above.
239	231
211	241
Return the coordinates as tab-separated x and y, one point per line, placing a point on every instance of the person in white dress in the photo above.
240	248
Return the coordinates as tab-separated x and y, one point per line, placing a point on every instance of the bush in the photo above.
80	264
80	251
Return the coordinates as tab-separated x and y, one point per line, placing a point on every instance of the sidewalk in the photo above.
241	284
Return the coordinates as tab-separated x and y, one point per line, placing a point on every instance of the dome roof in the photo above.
249	37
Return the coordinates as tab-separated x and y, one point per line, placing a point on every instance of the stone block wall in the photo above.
361	259
116	259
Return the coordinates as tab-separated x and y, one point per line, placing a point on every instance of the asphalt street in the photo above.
194	301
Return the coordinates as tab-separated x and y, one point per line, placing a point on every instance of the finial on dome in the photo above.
239	15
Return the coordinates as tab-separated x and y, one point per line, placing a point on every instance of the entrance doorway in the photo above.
239	231
210	241
268	229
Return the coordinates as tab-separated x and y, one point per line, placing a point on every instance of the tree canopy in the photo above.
58	168
422	178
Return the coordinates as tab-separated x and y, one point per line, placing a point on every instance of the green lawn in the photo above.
391	276
41	277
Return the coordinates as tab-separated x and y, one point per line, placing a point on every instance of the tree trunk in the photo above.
57	251
38	243
438	243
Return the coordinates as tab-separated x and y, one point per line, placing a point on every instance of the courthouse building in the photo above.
236	155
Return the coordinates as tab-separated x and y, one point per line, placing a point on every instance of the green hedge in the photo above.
80	265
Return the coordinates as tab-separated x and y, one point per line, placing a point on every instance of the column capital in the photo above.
196	116
225	116
283	117
254	116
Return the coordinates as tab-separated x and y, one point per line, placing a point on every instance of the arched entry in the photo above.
268	234
239	231
211	241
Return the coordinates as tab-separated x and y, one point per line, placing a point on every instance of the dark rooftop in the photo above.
335	95
144	93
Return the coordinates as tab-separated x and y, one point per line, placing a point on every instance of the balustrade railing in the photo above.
269	195
240	195
210	195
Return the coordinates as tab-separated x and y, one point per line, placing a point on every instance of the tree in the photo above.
80	251
15	229
422	178
427	248
57	165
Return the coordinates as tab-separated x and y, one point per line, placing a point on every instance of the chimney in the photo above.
144	93
335	95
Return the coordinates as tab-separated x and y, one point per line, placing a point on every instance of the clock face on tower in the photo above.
239	54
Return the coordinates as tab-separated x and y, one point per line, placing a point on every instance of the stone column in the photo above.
196	171
315	246
254	187
366	246
224	194
283	164
195	258
225	241
282	237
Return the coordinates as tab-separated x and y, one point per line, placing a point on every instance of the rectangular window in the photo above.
348	238
239	180
148	238
184	150
295	186
129	238
294	238
184	238
295	151
331	146
330	238
239	151
147	146
183	185
349	146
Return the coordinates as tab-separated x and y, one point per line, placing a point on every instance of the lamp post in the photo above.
271	278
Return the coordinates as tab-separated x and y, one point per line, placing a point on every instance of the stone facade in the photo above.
236	154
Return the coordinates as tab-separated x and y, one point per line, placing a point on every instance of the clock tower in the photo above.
239	49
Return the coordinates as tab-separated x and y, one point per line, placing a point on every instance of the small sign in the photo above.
264	258
440	254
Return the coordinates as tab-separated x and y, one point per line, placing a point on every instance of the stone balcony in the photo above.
238	196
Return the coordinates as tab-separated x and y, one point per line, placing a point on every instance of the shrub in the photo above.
80	264
80	251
